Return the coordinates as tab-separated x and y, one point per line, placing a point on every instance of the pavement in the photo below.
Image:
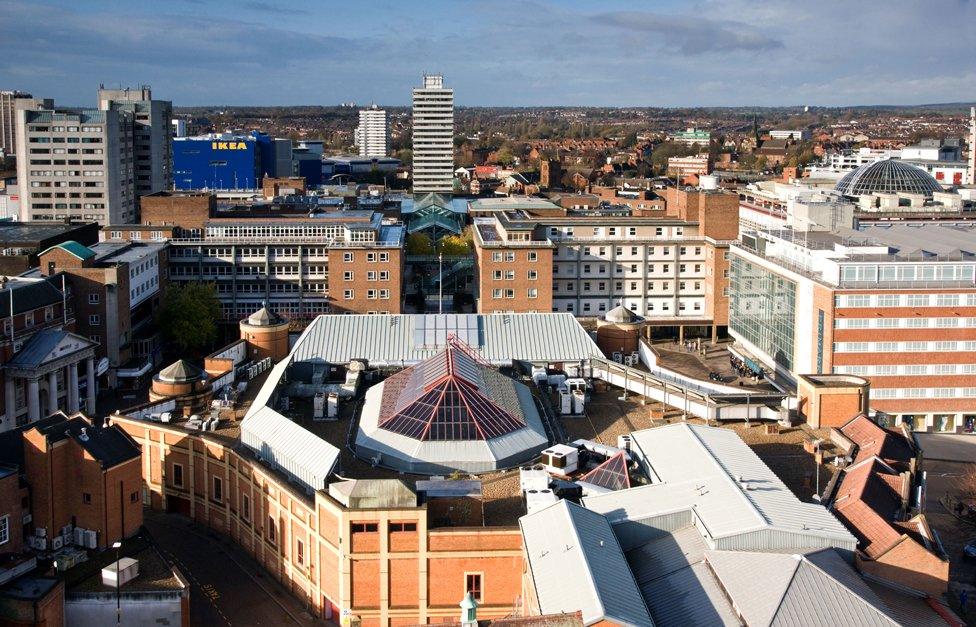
227	586
950	447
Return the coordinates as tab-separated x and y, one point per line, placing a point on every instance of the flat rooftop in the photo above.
13	233
130	252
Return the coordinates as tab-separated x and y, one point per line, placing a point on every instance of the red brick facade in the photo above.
386	566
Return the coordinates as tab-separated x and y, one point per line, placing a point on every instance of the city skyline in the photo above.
538	54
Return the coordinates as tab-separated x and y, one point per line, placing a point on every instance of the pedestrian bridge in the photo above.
703	399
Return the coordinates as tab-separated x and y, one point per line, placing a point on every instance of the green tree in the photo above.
188	316
419	244
504	156
454	245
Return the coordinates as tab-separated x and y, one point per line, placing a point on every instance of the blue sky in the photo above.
608	53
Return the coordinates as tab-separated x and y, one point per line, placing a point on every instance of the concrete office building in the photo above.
971	172
76	164
670	268
8	117
153	143
372	135
895	304
800	135
292	255
433	137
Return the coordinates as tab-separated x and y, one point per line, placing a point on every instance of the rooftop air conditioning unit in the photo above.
91	538
121	572
57	542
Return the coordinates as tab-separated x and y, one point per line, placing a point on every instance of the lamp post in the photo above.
440	283
118	579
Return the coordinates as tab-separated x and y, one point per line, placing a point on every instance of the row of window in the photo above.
903	323
510	293
651	306
905	300
889	393
372	275
632	268
611	231
913	272
904	347
907	369
371	294
634	286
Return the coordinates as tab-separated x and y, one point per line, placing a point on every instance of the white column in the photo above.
73	388
10	401
52	392
33	400
90	402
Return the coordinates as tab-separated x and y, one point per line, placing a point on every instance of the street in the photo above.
228	587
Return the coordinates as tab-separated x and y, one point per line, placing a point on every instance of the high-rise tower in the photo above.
433	137
971	175
371	134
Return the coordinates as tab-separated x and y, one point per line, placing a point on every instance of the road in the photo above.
941	478
227	586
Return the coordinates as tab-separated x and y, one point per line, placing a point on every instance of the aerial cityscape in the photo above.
487	314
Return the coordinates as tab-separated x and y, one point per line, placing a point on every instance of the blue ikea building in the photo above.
222	161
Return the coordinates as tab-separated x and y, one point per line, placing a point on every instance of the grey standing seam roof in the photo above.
577	564
818	589
677	586
410	338
731	490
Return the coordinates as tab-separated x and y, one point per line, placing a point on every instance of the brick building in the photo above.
71	474
894	304
85	476
875	498
668	265
385	562
291	254
116	287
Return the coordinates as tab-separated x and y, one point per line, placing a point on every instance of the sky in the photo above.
496	53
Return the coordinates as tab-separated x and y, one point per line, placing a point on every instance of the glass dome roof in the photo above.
887	176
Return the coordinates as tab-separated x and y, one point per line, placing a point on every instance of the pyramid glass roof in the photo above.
611	474
450	396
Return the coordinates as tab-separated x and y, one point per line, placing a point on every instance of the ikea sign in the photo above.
228	145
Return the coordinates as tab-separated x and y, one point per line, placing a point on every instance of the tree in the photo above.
419	244
188	316
454	245
504	156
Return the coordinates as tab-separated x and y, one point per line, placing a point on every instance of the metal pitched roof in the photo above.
78	250
402	340
798	590
676	585
289	447
712	471
48	344
577	564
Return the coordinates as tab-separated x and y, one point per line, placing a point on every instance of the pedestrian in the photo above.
963	600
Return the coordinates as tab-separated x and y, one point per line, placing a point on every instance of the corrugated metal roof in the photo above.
289	447
577	564
797	591
689	596
712	471
666	554
396	339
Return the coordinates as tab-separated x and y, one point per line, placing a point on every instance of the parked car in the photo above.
969	551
